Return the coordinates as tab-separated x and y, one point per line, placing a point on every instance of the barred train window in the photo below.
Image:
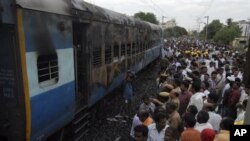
133	49
96	57
108	54
123	50
47	66
116	50
137	48
128	49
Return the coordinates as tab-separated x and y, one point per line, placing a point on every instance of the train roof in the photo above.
80	9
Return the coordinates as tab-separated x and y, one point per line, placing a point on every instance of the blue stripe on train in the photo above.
52	110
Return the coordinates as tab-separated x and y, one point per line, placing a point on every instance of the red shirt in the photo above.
184	100
234	97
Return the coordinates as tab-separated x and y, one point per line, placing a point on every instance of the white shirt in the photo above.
150	107
210	70
240	116
243	95
136	121
206	93
154	135
197	100
202	126
214	120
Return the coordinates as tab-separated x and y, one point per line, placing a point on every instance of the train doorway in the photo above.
82	65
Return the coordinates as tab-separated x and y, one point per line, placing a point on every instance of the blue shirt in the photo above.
128	91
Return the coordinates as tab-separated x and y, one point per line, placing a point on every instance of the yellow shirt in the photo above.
223	135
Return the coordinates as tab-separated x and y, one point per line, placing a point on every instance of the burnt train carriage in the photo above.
59	57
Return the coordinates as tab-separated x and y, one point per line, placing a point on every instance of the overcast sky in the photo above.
186	12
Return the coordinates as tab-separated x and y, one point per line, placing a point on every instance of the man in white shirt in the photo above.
202	121
197	97
210	107
156	131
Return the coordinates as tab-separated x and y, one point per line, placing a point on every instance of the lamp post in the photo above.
162	20
206	27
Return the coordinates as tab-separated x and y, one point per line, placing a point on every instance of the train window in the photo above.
96	60
133	49
123	50
108	54
141	47
137	47
47	67
144	46
128	49
149	44
116	50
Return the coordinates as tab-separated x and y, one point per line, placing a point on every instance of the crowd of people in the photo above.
200	94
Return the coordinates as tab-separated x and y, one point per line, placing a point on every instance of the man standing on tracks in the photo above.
128	91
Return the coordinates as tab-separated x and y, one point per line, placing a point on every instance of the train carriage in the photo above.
60	57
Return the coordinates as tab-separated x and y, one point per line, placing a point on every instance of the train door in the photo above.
81	64
82	77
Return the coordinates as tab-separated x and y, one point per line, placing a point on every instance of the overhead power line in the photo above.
164	13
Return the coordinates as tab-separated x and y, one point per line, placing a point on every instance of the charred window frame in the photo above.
96	57
133	48
137	48
116	50
108	54
141	47
144	47
123	50
147	45
47	67
128	49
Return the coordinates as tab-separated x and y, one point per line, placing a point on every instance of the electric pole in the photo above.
206	27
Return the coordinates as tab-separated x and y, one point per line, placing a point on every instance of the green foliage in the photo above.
220	33
150	17
227	33
213	27
176	31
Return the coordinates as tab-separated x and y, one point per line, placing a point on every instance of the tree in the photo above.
150	17
227	33
176	31
213	27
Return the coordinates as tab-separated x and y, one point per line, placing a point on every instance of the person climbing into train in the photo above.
128	91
